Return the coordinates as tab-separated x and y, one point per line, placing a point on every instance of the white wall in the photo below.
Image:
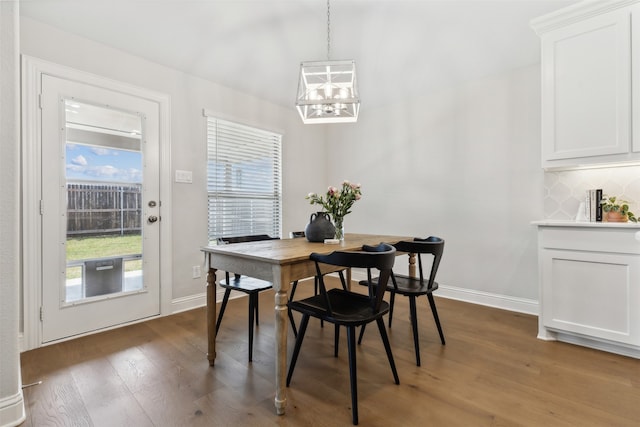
12	410
303	146
462	164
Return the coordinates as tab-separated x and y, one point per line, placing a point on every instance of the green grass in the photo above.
79	248
103	246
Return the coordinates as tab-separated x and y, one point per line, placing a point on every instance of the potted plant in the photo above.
616	210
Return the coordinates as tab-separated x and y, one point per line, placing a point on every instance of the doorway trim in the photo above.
32	70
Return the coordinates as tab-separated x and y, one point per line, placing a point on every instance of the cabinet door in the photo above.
595	294
635	70
587	89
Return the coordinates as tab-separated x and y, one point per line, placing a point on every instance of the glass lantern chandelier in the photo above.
327	90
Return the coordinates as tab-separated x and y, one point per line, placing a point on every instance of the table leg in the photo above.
211	315
282	319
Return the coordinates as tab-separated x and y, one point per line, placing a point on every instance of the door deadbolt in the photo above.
152	204
152	218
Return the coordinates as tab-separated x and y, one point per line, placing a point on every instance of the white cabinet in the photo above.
590	286
588	61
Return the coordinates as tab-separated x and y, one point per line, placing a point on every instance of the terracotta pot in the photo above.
615	217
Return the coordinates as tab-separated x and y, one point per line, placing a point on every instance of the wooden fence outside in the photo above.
97	209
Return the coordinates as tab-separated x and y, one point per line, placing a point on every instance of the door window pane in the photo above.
103	170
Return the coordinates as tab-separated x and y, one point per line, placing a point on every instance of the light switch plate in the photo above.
185	177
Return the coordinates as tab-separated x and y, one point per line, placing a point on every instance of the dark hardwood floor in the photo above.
492	372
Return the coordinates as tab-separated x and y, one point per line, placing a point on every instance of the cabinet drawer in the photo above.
605	239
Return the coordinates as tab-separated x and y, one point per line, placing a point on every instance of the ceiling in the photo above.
401	47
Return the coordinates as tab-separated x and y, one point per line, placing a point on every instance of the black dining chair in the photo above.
248	285
294	287
349	309
414	287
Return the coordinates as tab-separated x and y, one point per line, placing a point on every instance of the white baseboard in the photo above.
504	302
198	300
611	347
188	303
12	411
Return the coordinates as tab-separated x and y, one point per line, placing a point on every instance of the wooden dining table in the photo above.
280	262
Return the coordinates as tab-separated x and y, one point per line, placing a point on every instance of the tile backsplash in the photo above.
564	190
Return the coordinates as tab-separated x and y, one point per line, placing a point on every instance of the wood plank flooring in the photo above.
492	372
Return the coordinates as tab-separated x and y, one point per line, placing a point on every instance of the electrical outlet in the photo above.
195	271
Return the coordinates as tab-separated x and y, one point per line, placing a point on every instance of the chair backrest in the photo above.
431	245
381	257
249	238
243	239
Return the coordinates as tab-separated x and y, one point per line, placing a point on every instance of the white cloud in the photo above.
75	168
134	175
79	160
106	170
99	151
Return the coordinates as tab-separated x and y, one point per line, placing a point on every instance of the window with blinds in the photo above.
244	184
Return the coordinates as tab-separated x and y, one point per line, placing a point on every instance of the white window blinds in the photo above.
244	182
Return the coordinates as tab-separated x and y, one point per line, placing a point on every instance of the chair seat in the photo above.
406	285
348	308
246	284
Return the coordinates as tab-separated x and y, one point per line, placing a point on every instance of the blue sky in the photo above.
93	163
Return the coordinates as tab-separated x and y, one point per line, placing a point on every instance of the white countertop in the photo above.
570	223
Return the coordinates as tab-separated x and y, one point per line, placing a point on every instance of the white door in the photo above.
100	208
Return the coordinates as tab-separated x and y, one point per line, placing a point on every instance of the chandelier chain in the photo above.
328	31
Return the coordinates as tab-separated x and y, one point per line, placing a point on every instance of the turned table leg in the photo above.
281	285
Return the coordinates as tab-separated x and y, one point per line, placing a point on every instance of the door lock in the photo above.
152	219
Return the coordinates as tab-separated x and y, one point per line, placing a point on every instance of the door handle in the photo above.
152	218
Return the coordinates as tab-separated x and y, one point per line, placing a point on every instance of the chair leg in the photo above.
252	310
387	347
294	286
414	327
225	299
432	303
256	303
293	323
362	328
316	290
296	349
351	339
392	300
336	340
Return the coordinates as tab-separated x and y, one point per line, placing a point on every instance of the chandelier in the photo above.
327	90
